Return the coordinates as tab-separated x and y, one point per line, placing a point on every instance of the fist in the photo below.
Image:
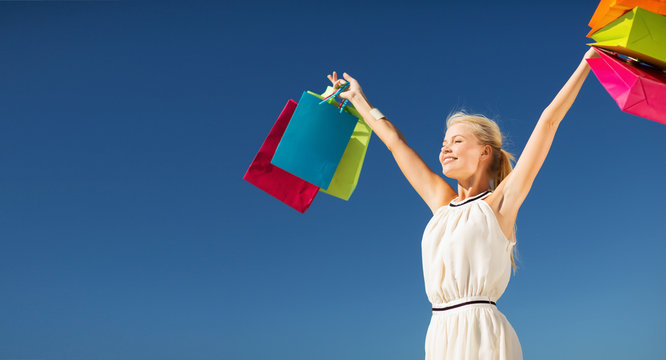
352	91
591	53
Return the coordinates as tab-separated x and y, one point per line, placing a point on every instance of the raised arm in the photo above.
514	188
430	186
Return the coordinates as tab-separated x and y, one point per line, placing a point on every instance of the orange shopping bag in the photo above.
610	10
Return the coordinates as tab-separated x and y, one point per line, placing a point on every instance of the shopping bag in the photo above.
637	89
609	10
315	140
348	171
639	33
286	187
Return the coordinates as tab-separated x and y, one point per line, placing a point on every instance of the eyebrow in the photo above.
452	137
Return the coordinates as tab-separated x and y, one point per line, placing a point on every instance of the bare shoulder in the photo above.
505	218
495	200
443	199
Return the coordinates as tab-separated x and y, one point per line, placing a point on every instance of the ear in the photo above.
487	150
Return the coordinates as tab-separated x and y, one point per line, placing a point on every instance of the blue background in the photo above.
127	230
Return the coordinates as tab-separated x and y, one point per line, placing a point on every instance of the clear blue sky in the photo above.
127	230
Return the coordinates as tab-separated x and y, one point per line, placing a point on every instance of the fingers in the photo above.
333	78
340	82
591	53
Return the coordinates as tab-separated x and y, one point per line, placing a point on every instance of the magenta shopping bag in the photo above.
286	187
637	89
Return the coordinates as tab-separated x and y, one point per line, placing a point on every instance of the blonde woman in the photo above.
468	246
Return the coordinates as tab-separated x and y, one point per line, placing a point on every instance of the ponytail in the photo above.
502	166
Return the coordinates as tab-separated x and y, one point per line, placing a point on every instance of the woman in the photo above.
468	244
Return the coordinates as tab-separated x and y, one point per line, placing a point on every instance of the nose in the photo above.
445	148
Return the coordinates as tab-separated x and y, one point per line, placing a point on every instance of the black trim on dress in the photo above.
465	303
470	199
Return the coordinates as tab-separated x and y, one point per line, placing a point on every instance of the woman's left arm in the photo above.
514	188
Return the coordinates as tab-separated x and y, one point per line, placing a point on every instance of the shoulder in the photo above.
501	204
494	199
505	218
443	201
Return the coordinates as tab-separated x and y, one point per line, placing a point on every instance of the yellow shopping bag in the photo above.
639	33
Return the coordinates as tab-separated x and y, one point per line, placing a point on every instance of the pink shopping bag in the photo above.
637	89
286	187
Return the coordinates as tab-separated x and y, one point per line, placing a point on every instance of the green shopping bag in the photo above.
639	33
348	171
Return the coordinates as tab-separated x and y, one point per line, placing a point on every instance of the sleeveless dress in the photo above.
466	257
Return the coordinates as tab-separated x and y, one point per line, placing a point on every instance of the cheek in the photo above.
441	157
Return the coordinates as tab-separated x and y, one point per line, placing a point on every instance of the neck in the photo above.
472	187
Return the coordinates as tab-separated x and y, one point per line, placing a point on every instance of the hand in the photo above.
591	53
352	91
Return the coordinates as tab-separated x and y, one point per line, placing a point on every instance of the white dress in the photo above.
466	257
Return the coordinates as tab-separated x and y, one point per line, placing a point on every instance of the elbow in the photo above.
551	117
391	144
394	140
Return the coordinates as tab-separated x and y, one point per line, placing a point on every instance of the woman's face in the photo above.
461	155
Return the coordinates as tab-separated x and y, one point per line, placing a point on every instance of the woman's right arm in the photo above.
431	187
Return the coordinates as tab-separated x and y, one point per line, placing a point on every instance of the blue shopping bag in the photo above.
315	140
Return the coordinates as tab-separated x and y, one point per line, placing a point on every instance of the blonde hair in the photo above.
487	132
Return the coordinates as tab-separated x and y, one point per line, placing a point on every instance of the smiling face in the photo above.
462	155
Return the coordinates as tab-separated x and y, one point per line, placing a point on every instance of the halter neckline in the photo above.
452	203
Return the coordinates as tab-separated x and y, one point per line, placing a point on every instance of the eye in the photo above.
458	141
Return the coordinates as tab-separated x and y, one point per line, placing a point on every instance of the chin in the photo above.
448	173
453	173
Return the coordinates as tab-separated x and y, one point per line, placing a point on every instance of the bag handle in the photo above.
332	96
630	60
